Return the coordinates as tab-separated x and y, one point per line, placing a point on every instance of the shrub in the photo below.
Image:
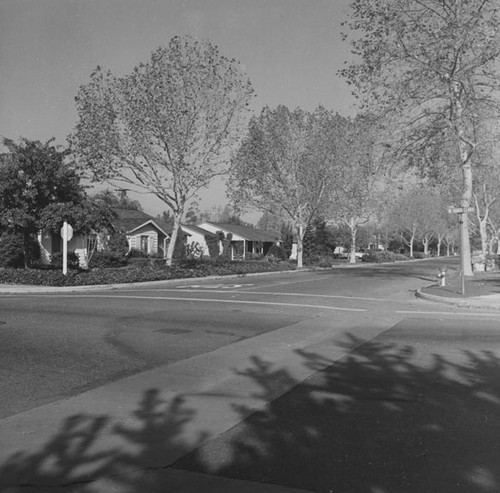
419	255
194	250
226	245
118	244
400	256
143	274
277	251
103	259
11	250
379	257
134	253
138	262
212	241
73	260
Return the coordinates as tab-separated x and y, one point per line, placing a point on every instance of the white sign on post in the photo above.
66	235
66	231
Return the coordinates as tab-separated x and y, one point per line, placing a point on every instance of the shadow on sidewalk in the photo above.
386	418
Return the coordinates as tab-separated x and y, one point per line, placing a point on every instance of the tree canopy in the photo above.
40	189
286	164
430	67
168	127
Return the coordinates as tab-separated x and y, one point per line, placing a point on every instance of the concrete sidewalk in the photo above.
145	423
491	302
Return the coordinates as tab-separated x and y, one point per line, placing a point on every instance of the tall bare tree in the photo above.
168	128
432	67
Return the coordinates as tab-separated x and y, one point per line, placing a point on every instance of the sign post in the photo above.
66	235
461	211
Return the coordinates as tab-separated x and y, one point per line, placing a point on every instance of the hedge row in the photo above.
385	256
131	274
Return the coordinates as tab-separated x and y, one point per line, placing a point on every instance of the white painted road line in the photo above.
270	293
456	314
206	300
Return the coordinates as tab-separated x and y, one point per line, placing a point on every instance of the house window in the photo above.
145	243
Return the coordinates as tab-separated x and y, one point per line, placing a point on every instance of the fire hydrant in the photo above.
442	276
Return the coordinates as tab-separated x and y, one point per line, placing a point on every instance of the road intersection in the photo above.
314	381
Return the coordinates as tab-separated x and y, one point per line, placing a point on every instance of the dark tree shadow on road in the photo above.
60	461
386	418
68	462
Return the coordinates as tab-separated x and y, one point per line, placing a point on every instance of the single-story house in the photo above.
196	237
245	241
143	232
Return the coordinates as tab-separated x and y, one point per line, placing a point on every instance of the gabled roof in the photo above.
128	220
251	234
195	229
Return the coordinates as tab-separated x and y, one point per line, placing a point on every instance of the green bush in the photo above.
133	274
212	242
385	256
118	244
103	259
379	257
138	262
11	250
419	255
400	256
73	260
277	252
134	253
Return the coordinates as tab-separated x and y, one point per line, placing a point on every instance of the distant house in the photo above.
143	232
246	241
196	236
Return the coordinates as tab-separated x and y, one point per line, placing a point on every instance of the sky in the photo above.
290	49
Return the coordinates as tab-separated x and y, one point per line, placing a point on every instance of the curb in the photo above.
491	301
20	289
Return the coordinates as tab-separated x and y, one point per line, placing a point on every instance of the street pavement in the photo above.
289	410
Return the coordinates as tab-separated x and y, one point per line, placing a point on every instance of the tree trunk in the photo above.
300	246
465	254
173	239
439	246
354	229
426	246
412	240
484	236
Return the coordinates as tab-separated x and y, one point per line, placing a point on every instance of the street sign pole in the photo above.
66	235
65	248
462	257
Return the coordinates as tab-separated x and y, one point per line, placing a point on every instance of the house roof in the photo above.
128	220
195	229
247	232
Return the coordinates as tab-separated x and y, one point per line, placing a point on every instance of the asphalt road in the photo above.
413	406
55	345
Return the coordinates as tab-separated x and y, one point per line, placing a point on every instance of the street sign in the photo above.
66	233
460	210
